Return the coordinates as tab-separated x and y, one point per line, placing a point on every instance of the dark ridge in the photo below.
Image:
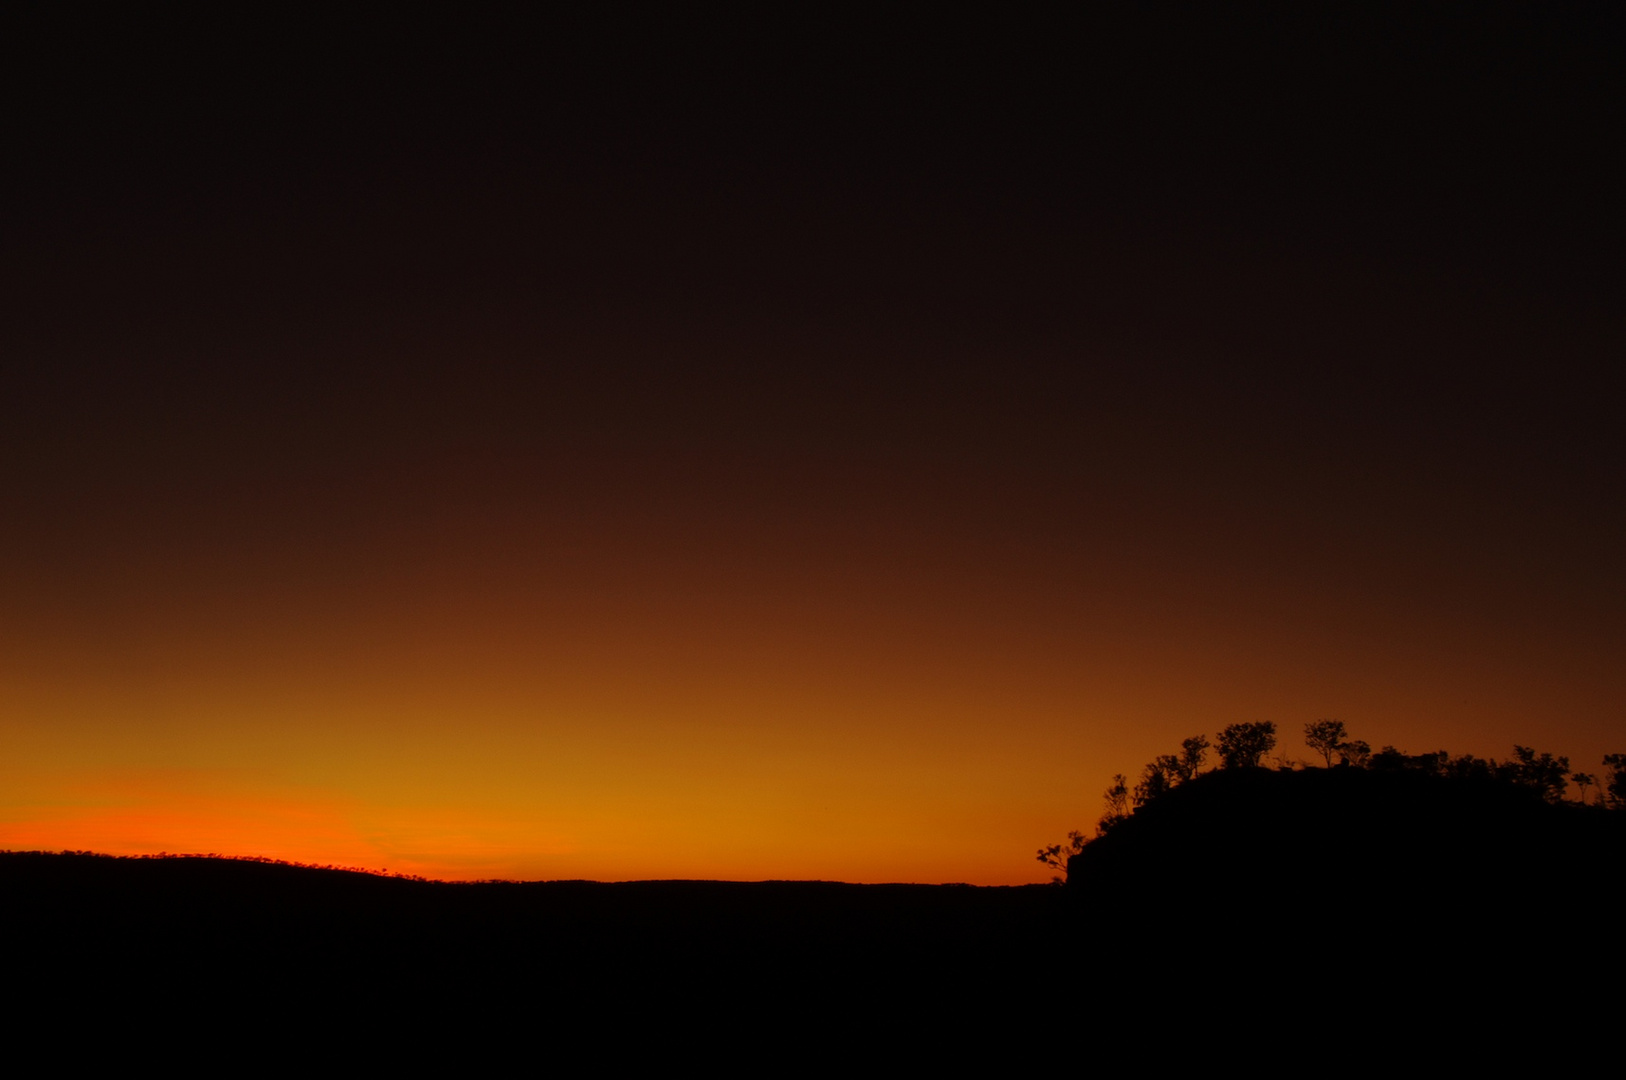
217	933
1352	887
1390	840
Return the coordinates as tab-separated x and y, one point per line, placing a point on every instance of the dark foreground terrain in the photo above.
250	939
1266	905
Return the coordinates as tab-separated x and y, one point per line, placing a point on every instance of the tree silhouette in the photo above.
1325	737
1583	781
1117	798
1467	767
1056	855
1355	753
1542	772
1192	753
1245	745
1614	792
1161	775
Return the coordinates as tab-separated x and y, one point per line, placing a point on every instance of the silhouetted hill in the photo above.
1351	889
1399	839
107	896
211	934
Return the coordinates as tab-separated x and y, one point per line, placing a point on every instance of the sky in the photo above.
660	447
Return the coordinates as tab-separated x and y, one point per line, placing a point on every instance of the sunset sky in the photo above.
807	449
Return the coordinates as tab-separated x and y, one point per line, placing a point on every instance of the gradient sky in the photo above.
828	449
